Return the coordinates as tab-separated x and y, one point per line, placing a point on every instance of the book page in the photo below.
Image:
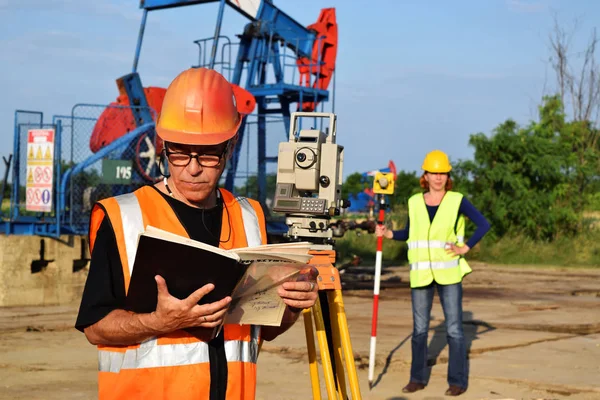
296	251
262	308
255	299
172	237
262	275
292	247
275	257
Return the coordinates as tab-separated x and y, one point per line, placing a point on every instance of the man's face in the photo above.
196	178
436	181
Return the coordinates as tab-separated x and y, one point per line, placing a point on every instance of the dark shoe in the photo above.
413	387
455	391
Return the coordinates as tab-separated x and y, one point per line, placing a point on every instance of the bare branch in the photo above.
581	88
578	82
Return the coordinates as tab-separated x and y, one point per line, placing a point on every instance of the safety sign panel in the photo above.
40	170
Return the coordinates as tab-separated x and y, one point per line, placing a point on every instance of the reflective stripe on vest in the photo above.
421	265
251	225
423	244
133	224
150	354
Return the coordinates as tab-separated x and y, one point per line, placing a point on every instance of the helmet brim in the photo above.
436	171
194	138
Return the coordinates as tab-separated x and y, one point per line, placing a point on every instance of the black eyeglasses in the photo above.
180	159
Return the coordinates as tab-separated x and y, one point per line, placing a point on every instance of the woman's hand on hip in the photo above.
455	250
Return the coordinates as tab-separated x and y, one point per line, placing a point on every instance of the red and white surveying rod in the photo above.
378	258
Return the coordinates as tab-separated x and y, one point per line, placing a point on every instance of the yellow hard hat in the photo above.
437	162
199	109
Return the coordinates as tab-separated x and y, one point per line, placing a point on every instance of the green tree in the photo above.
531	179
354	184
250	188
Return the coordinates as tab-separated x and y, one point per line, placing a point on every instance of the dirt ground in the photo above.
532	333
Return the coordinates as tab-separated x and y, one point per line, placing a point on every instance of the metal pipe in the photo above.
333	99
138	47
213	53
15	181
5	181
57	159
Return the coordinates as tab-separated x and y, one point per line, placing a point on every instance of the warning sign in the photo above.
40	170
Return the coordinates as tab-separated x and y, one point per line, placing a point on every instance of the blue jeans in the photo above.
451	299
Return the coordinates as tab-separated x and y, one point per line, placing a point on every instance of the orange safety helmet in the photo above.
199	109
436	162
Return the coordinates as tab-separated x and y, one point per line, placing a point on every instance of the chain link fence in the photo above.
106	157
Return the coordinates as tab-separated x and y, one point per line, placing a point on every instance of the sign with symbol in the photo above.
38	174
47	175
46	196
29	175
40	170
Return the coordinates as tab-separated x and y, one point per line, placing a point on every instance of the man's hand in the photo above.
297	296
302	293
381	230
172	314
455	250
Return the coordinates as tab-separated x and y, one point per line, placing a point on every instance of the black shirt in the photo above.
105	286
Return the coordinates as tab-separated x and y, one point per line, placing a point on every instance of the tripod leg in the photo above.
324	349
342	323
324	300
337	345
312	354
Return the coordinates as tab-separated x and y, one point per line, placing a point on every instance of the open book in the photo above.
250	275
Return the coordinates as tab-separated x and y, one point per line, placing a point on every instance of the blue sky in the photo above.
412	75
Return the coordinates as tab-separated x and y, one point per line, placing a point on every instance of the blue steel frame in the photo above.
269	28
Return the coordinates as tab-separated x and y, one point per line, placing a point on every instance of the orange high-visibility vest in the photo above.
176	365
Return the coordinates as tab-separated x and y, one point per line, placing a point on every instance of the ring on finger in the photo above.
205	320
312	286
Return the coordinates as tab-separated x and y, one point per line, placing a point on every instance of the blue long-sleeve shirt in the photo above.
467	209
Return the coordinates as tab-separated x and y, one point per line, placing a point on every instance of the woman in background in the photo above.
434	233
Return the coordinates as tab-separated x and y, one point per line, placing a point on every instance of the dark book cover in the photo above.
184	268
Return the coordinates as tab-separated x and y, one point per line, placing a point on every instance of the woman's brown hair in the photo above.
425	185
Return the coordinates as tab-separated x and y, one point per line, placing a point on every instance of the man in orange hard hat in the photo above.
150	356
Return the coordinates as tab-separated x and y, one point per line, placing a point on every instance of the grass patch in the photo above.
582	250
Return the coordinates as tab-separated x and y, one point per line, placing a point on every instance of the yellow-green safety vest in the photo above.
427	241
